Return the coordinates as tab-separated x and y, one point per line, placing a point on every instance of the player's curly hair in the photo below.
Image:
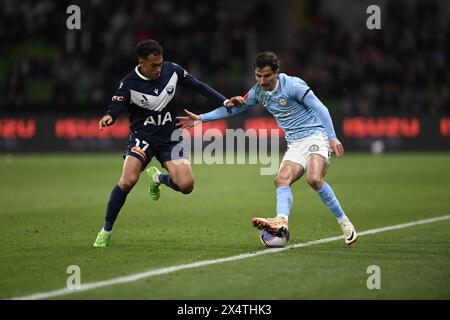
267	58
146	47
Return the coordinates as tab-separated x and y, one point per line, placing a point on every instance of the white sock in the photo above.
107	232
343	218
285	217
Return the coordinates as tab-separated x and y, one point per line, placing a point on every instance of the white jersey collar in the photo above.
140	74
276	87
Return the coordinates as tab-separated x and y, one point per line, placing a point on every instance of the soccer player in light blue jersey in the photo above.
309	133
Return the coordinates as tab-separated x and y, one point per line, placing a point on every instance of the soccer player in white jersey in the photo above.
309	133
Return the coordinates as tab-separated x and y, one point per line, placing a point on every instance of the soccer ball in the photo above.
272	241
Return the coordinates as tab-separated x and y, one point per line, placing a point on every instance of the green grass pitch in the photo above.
52	207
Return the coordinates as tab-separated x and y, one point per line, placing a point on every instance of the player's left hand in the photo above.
337	147
106	121
234	101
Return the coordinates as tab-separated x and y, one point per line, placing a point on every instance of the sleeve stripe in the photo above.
309	89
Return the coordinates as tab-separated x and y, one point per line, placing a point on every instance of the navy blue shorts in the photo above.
139	147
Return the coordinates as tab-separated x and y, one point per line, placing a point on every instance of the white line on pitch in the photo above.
156	272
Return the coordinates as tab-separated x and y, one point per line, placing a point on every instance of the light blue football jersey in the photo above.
293	104
287	104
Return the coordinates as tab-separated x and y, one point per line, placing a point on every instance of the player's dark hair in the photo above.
267	58
146	47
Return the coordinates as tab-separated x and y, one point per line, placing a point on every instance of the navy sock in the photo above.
167	180
115	203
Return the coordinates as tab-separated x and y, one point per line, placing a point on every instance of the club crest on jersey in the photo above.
170	89
313	148
282	101
158	120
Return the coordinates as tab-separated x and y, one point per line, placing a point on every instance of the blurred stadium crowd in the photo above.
402	68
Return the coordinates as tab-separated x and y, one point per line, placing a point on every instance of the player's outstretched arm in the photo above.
106	121
193	119
232	106
189	121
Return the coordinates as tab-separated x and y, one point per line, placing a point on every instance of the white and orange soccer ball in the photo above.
272	241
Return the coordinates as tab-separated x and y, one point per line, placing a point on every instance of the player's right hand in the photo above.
337	147
187	122
106	121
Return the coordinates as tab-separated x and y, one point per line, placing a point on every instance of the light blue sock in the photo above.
284	200
330	200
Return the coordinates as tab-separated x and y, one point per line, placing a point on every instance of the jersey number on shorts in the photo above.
138	142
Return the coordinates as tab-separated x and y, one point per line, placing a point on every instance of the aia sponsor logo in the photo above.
158	120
